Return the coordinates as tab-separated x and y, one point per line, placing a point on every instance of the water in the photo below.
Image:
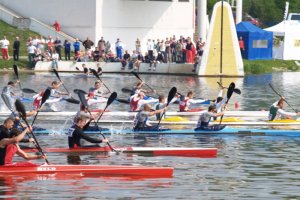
247	167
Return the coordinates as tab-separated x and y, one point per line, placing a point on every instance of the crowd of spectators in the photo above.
169	50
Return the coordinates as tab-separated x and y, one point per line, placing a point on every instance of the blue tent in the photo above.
258	43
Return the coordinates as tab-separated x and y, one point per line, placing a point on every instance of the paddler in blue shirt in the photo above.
205	117
141	119
277	111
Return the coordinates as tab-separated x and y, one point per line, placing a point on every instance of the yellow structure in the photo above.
232	63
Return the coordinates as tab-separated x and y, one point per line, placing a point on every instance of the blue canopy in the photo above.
258	42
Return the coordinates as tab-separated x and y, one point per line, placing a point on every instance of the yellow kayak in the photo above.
175	119
230	119
284	121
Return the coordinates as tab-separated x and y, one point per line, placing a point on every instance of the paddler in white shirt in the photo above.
137	100
204	120
277	111
184	104
97	89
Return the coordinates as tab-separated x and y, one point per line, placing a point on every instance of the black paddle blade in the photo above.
237	91
95	73
46	95
111	98
21	109
85	70
29	91
123	101
77	68
56	74
76	91
172	94
16	71
82	99
71	100
230	91
99	70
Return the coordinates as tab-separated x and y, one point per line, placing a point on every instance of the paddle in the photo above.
138	77
171	95
236	90
271	86
71	101
30	91
21	109
229	94
112	97
44	99
117	99
17	75
97	75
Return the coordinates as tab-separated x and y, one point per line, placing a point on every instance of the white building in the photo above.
112	19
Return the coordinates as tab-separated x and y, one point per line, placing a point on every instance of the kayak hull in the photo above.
101	170
151	151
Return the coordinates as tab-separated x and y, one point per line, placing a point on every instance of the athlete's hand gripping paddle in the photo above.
171	95
229	94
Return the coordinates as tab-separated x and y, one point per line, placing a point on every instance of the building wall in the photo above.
112	19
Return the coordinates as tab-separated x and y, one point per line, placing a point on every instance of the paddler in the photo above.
77	138
55	96
204	119
9	147
97	89
138	88
9	94
185	103
141	119
137	100
220	101
162	103
277	111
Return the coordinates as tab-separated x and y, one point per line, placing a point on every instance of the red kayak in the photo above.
195	110
99	170
153	151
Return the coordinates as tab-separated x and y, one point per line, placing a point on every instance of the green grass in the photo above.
11	33
268	66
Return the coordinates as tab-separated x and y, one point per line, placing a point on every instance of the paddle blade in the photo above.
29	91
16	71
21	109
123	101
77	68
85	70
99	70
111	98
95	73
7	102
171	94
45	96
237	91
56	74
82	99
71	100
230	91
76	91
136	75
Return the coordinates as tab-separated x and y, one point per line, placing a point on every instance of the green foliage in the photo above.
267	66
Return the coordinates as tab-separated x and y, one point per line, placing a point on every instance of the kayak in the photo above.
101	170
226	130
151	151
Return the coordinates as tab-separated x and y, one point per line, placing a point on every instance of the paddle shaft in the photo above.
138	77
281	97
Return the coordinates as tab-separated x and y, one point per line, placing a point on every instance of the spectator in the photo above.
167	50
76	46
56	25
50	45
200	46
54	59
16	49
146	58
88	43
189	51
178	52
133	60
196	62
173	45
138	45
150	48
138	62
110	56
4	48
29	41
31	54
242	45
58	47
67	46
36	41
46	56
107	47
77	57
162	48
125	59
41	44
96	54
101	46
119	48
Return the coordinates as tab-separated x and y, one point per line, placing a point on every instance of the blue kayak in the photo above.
226	130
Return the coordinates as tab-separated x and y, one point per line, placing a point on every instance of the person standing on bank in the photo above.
16	49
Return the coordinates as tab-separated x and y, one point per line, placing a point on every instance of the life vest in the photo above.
37	101
273	112
183	104
134	104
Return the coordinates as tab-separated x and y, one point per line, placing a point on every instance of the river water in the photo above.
247	167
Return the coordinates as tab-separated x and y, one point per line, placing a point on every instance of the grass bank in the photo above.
268	66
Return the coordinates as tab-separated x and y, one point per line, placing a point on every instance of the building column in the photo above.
239	11
201	18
